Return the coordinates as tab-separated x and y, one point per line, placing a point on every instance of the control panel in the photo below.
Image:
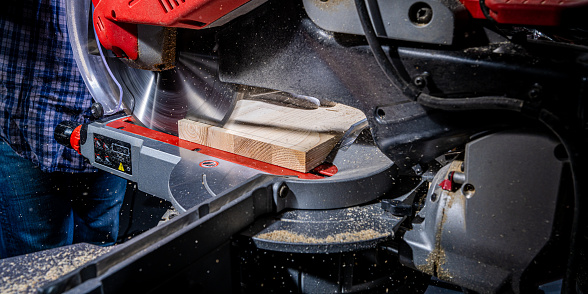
113	153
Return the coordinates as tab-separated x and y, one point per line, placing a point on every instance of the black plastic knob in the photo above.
97	110
63	132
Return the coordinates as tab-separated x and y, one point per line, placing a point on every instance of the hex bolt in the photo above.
283	191
433	197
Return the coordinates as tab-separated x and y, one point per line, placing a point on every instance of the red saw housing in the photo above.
525	12
116	20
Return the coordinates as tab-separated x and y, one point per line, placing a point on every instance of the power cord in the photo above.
395	77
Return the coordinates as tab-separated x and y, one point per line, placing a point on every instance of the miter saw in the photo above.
466	174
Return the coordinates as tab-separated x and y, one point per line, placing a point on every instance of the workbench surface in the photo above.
27	273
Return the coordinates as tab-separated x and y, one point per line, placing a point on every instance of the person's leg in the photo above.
34	214
96	205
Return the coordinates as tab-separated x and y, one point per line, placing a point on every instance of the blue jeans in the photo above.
40	210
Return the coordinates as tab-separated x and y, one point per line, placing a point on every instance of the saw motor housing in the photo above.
134	30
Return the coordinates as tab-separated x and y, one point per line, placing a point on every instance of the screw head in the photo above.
535	92
424	15
97	110
420	14
420	81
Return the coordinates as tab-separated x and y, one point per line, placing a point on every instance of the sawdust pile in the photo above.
291	237
27	273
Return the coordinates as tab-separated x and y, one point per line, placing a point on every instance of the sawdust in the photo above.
291	237
27	273
332	5
169	49
437	258
434	262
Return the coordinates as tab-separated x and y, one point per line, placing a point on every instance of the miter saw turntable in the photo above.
466	168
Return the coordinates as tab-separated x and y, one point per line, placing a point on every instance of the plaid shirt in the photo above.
40	85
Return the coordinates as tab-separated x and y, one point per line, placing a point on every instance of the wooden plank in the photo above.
297	139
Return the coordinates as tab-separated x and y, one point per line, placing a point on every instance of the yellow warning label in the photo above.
121	167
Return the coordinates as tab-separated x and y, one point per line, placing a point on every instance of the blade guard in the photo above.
116	21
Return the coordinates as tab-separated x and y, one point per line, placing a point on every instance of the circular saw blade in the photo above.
157	100
191	89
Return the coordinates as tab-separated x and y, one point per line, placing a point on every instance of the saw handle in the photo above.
282	98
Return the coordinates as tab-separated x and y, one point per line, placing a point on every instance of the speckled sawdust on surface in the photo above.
434	263
27	273
291	237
